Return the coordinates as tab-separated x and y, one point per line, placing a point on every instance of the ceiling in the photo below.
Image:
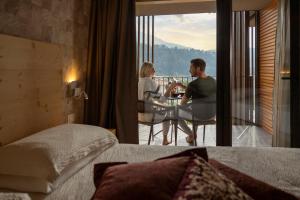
167	7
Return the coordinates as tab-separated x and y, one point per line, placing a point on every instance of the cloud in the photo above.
181	18
193	30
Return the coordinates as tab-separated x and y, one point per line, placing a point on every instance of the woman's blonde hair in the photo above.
146	69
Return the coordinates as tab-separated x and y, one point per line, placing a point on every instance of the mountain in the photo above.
158	41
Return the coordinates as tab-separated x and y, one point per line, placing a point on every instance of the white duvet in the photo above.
276	166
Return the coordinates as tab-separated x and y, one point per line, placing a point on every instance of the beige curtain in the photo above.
111	74
281	118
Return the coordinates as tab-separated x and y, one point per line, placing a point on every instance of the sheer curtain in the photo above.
241	79
281	118
111	73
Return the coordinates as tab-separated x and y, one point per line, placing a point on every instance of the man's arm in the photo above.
188	94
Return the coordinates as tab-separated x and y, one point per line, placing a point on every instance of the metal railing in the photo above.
164	81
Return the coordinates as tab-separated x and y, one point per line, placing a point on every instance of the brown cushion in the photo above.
253	187
182	176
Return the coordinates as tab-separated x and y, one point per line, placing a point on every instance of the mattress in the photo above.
277	166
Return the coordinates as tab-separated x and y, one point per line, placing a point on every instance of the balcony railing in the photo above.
164	81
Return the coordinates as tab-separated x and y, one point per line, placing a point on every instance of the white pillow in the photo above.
14	196
43	161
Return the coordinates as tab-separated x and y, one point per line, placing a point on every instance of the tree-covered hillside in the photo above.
176	61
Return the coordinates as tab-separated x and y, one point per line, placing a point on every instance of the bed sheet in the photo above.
279	167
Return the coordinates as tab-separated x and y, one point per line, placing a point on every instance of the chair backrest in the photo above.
145	106
152	94
204	108
141	106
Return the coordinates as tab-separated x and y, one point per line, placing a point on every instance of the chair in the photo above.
156	109
202	113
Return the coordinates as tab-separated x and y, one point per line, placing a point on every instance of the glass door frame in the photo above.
224	113
295	72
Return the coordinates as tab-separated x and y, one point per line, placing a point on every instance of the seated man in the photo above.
202	92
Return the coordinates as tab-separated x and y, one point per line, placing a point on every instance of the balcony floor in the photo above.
252	136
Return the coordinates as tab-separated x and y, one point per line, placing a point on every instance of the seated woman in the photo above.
146	86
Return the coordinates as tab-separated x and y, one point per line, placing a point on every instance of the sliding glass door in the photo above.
252	101
260	83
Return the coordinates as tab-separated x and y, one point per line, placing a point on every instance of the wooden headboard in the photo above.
31	87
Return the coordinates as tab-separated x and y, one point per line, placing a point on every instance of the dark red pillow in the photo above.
253	187
182	176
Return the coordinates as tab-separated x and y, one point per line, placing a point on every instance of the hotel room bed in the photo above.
278	167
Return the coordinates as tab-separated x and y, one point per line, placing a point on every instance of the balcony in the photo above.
242	134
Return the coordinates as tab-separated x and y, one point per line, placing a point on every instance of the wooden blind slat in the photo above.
268	23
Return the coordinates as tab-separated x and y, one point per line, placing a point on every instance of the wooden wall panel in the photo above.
32	87
31	81
267	39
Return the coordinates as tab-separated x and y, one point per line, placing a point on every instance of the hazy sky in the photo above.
197	31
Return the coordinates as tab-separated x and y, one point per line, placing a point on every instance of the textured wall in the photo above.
62	22
56	21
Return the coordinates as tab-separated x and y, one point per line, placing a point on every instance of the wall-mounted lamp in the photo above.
73	90
285	74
